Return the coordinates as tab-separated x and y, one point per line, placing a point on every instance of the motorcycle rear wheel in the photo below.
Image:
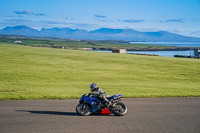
120	109
83	109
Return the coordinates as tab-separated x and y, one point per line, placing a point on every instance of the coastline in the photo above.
149	49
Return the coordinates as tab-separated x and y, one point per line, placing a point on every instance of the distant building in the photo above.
196	53
121	51
17	42
88	49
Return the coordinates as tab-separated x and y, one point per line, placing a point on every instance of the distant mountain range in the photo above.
99	34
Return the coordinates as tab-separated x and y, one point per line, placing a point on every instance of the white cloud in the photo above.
28	12
132	20
99	16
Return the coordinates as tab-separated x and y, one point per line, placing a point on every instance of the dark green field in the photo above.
77	44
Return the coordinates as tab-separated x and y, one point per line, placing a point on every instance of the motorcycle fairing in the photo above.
115	96
91	101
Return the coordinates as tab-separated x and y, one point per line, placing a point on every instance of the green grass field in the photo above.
46	73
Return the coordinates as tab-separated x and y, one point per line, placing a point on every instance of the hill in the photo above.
99	34
45	73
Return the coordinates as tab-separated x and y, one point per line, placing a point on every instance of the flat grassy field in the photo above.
46	73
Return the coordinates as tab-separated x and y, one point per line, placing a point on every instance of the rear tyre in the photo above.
83	109
120	109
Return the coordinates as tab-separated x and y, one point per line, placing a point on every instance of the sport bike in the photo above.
89	104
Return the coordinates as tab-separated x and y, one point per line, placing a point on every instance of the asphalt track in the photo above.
145	115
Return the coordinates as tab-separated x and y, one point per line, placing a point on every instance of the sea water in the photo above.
178	44
164	53
160	53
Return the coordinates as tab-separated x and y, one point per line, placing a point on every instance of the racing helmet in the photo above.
93	86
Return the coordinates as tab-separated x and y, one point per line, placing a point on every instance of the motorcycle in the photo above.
89	105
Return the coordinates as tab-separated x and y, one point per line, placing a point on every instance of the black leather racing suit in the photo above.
99	93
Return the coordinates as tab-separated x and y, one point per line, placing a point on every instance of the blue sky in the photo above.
176	16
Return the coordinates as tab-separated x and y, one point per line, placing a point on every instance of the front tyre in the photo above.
120	109
83	109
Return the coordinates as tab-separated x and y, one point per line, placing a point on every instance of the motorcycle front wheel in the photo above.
83	109
119	109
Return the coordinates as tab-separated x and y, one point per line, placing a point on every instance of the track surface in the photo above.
145	115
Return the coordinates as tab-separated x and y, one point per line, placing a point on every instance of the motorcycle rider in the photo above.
99	93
